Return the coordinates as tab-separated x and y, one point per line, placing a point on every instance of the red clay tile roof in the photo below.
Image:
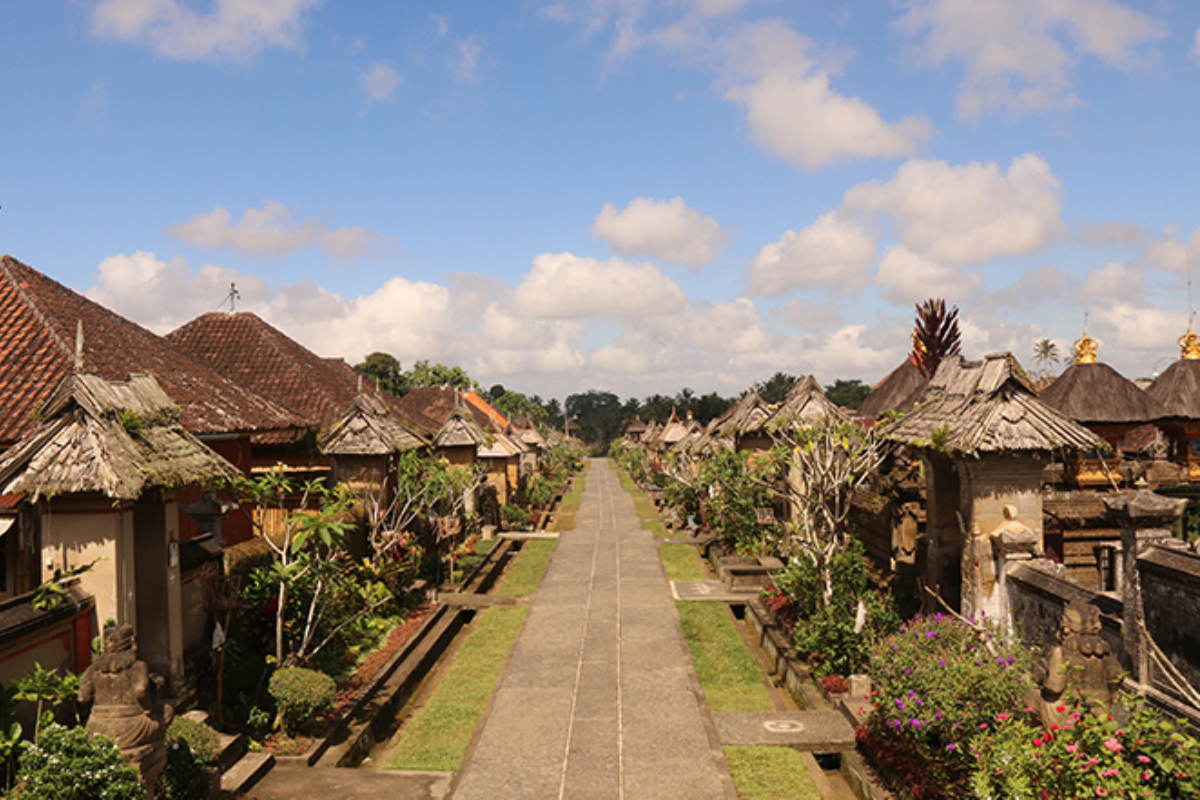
38	319
247	350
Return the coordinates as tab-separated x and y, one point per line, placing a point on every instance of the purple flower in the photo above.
916	723
930	634
942	661
951	747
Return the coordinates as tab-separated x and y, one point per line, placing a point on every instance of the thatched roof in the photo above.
369	428
117	438
749	414
1097	393
987	406
805	404
902	387
1177	390
500	445
460	430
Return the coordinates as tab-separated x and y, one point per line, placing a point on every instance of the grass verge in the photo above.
681	562
729	675
526	572
769	773
437	739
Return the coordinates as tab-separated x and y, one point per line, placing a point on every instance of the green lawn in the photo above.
437	739
525	574
729	675
682	562
769	773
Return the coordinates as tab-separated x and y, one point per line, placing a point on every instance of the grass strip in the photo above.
437	739
526	572
681	562
729	675
769	773
627	483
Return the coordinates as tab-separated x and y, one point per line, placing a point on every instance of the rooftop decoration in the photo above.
1084	350
1189	346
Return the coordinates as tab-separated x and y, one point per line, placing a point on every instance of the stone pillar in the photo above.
1145	519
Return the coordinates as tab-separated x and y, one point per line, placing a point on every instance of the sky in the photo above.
628	195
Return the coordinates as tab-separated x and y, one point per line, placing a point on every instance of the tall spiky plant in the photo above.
935	335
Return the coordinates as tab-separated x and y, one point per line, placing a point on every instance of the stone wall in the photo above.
1037	594
1170	580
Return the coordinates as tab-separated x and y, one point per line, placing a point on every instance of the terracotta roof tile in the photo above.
38	321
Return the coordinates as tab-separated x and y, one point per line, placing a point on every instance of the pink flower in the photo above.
1101	791
1112	744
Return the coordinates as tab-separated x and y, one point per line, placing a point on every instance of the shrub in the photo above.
202	741
825	633
835	684
1089	757
514	517
74	764
301	695
941	683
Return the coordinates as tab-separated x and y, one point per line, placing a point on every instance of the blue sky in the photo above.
631	195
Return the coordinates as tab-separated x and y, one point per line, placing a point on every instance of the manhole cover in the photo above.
783	725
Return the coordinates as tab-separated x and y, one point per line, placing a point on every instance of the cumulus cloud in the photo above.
380	80
792	111
664	229
967	214
232	30
270	232
1116	232
911	277
1034	288
834	251
1135	327
1169	253
807	314
1115	281
1018	54
562	285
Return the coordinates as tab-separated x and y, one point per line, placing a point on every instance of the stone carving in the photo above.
1081	668
123	694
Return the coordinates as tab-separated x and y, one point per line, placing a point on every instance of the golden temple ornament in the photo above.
1189	346
1084	350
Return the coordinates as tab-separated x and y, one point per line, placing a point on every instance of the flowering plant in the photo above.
941	683
1089	756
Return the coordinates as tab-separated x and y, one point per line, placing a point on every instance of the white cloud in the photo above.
1018	54
162	295
1133	327
911	278
807	314
967	214
517	344
834	251
466	61
1113	280
270	232
233	29
1196	45
381	80
1169	253
664	229
853	351
563	285
1036	287
792	111
1116	232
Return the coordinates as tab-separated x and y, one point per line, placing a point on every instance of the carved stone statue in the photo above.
1081	668
125	705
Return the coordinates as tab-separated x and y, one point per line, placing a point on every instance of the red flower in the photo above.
1037	742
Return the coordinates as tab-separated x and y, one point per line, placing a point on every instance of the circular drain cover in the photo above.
783	725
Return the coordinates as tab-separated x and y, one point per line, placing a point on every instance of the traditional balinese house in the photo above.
41	323
805	404
365	442
1177	390
99	473
1108	404
984	438
902	387
746	423
635	430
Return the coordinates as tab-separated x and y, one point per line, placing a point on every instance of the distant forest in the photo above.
596	415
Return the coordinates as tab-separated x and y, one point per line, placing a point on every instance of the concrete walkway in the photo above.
599	699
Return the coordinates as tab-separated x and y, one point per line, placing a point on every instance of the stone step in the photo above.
248	771
815	731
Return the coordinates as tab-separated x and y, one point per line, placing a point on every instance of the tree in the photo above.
776	389
828	461
423	373
847	394
384	369
512	403
1045	353
597	413
935	335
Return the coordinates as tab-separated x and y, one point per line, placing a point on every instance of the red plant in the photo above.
835	684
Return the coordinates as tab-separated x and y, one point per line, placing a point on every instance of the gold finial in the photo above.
1085	350
1189	346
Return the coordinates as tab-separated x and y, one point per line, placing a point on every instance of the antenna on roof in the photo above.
1191	308
233	297
360	383
79	347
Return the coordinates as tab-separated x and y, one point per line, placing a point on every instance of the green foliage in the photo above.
598	415
53	593
384	369
73	764
775	390
47	688
202	741
301	695
940	684
191	746
825	632
848	394
1089	757
423	373
511	403
131	421
730	489
514	517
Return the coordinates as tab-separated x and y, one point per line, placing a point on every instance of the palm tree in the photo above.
1045	352
935	335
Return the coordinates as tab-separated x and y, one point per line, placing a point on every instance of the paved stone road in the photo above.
599	699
